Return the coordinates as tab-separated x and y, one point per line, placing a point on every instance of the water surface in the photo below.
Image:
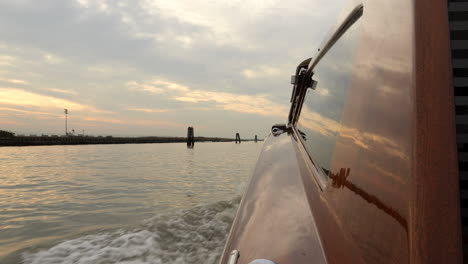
132	203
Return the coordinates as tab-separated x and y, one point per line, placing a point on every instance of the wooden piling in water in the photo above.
190	137
238	138
255	138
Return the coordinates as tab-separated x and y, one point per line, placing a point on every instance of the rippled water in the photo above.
142	203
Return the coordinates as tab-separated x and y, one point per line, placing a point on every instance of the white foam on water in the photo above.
195	235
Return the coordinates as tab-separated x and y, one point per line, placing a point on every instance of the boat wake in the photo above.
195	235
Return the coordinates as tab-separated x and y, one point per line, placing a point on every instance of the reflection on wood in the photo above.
339	180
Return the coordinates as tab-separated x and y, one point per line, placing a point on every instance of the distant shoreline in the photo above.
89	140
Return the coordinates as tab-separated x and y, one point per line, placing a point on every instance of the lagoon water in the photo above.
133	203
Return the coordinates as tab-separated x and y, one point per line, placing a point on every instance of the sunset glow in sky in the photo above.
154	67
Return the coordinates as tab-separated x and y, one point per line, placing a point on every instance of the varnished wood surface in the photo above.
375	139
392	192
274	221
434	208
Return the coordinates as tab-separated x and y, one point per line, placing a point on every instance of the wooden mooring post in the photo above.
190	137
238	138
255	139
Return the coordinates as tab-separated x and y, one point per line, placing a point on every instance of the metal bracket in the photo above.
294	79
233	257
278	129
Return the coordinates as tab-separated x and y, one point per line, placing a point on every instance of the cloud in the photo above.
131	122
253	104
14	81
13	96
157	86
242	24
101	5
234	56
148	110
144	87
53	59
109	69
105	120
170	85
262	72
18	97
62	91
22	111
323	91
158	123
6	60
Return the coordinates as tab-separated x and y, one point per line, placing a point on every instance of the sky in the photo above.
154	67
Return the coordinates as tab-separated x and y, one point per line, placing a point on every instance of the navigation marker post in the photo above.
190	137
238	138
66	122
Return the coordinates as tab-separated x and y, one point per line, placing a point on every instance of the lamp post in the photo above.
66	120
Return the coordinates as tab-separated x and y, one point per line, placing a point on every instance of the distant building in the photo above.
4	133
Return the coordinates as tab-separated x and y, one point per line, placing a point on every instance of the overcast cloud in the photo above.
148	67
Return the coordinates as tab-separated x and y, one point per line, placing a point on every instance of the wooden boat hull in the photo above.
391	194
